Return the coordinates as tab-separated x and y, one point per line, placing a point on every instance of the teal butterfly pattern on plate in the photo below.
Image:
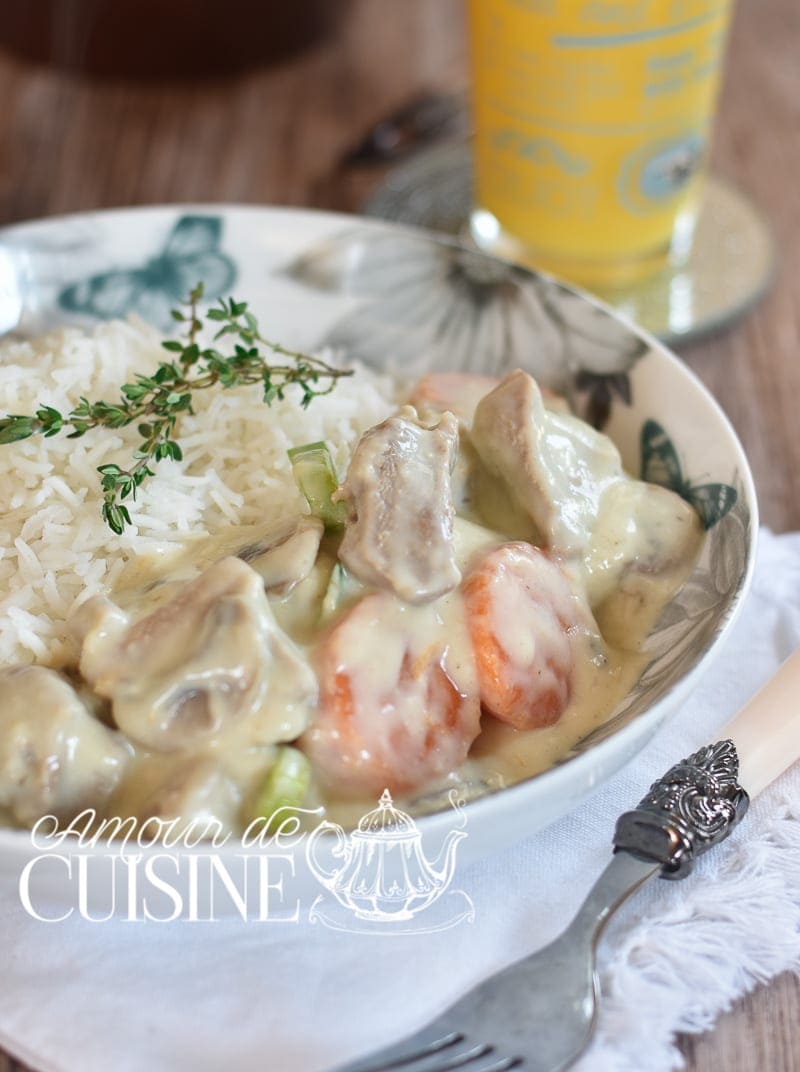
661	465
191	254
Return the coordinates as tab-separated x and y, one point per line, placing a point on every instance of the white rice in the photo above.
55	549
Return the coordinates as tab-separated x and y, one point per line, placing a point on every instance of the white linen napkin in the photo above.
88	997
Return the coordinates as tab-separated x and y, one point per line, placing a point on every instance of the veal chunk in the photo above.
553	464
399	534
612	531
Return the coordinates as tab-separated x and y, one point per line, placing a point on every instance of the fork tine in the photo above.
426	1043
436	1051
503	1064
453	1058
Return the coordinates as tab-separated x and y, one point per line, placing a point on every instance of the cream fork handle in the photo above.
766	731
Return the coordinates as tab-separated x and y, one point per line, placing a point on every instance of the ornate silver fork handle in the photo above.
539	1013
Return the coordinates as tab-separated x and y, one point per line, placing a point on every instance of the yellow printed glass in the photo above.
592	121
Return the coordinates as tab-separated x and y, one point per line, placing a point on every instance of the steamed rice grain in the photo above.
56	550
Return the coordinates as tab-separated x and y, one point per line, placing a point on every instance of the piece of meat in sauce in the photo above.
641	533
210	661
554	465
399	533
55	757
569	479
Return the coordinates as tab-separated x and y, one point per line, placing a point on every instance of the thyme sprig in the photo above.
158	401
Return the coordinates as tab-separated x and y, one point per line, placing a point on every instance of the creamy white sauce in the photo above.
244	645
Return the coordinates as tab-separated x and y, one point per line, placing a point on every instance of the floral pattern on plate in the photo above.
434	304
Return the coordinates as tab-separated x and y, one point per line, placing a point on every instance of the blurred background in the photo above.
123	102
149	101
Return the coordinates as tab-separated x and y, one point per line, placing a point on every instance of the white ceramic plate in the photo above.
390	294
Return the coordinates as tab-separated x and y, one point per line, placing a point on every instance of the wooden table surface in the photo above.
277	136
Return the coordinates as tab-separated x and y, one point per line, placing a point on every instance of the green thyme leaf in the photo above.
155	402
13	428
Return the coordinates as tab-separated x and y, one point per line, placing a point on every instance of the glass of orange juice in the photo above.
592	123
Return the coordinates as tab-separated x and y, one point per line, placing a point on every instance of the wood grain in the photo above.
754	369
278	135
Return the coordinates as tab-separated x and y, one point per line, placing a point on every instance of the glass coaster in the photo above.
729	268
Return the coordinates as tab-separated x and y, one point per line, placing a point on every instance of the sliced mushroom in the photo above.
399	533
209	662
96	627
287	556
55	759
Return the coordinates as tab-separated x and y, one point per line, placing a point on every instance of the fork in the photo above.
539	1014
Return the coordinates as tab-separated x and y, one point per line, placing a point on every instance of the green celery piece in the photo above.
285	788
315	476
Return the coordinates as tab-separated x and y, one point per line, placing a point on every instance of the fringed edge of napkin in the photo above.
704	943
